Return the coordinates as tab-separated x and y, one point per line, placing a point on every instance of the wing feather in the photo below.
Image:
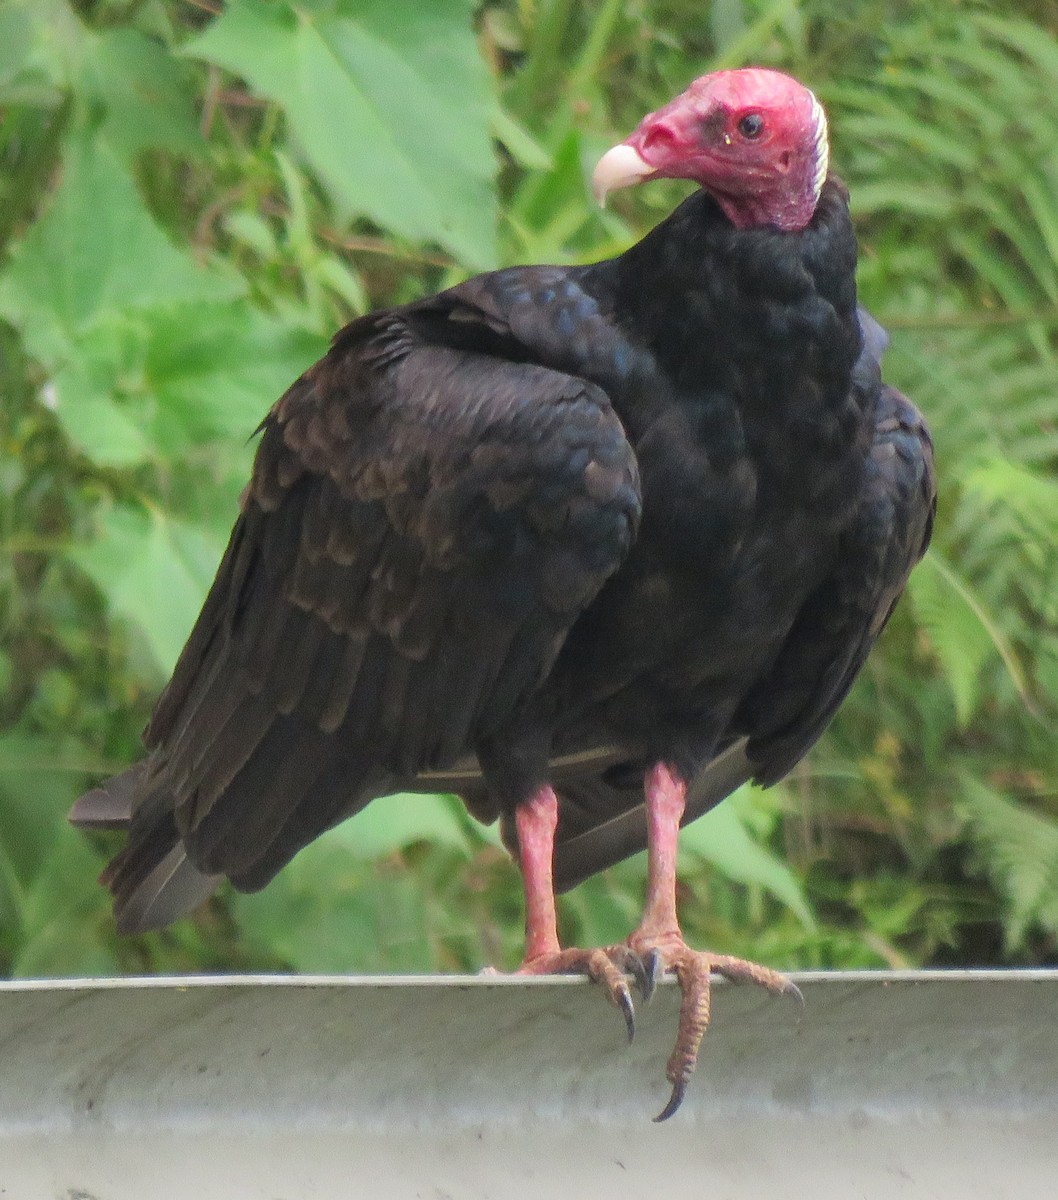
423	526
789	708
603	819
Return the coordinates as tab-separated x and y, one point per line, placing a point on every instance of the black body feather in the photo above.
554	524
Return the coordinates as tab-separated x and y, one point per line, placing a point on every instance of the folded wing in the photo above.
785	711
423	525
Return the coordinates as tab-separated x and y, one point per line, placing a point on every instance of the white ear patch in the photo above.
822	147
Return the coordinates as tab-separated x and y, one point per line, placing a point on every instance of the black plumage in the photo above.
549	527
438	550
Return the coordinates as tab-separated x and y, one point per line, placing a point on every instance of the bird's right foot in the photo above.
608	966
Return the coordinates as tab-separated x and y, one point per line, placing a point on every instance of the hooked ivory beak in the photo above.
618	168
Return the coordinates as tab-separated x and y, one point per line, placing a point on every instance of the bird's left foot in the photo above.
694	970
607	966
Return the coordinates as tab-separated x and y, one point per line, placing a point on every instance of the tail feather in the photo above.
151	878
109	806
169	889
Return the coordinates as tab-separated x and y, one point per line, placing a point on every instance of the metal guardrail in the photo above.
920	1084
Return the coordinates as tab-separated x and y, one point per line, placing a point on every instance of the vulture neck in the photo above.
706	298
753	332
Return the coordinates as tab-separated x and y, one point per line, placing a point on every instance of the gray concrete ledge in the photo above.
931	1084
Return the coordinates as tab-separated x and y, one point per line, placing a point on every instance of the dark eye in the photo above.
751	125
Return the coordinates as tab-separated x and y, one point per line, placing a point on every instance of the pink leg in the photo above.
657	944
659	940
666	796
536	822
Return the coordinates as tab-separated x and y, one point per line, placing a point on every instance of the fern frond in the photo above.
1018	848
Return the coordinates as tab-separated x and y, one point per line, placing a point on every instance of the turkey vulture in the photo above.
589	546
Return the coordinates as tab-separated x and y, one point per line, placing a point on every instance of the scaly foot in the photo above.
607	966
694	970
536	821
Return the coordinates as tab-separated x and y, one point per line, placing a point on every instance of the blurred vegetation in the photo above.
194	196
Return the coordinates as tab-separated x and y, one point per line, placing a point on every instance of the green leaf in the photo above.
392	823
215	370
108	359
1021	854
748	46
100	428
727	22
607	907
154	570
251	230
340	916
520	144
177	378
961	630
331	910
37	786
723	839
1031	498
390	104
96	252
35	41
67	923
145	93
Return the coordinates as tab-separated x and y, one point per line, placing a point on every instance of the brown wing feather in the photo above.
422	527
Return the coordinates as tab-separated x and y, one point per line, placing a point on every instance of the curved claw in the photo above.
694	972
679	1090
634	966
791	989
624	1000
653	971
603	966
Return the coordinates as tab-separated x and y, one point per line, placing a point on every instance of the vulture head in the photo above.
754	139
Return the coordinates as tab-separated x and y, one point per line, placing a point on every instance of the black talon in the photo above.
627	1007
653	971
679	1090
793	990
635	966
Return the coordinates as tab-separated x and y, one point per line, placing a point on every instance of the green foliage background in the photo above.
194	196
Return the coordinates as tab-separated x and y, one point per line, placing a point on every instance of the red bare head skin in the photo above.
754	139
